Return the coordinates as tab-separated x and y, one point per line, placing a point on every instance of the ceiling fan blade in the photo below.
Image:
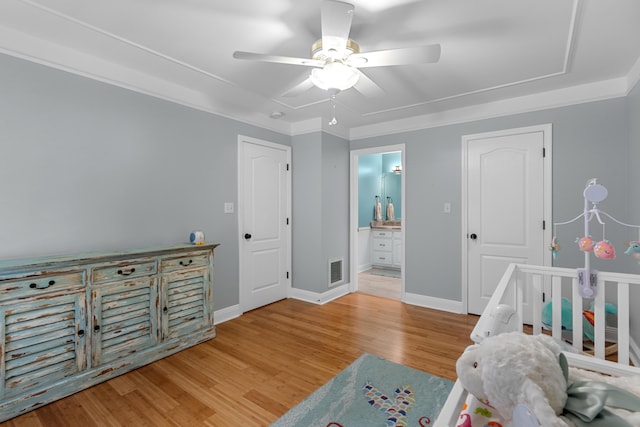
278	59
402	56
336	19
298	89
368	87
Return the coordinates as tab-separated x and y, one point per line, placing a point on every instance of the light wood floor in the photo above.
383	286
263	363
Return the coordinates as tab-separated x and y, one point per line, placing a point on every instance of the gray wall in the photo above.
335	204
589	140
320	208
308	272
85	166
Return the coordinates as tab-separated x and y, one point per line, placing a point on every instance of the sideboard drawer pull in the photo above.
184	264
43	285
126	272
126	269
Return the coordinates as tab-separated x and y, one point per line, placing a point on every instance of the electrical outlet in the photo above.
228	207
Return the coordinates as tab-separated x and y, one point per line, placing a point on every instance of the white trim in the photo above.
62	58
56	56
353	211
306	126
226	314
316	298
433	303
633	77
574	95
240	210
364	267
547	177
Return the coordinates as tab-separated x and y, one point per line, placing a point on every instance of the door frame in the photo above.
353	220
547	178
240	211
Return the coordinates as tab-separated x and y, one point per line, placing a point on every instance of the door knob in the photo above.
247	236
473	236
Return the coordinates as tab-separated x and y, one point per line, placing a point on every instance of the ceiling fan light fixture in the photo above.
334	75
322	53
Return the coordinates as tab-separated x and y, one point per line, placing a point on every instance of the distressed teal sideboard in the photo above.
74	321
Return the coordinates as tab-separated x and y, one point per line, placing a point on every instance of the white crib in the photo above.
522	287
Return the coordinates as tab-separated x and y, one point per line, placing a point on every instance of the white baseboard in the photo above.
364	267
434	303
228	313
316	298
224	314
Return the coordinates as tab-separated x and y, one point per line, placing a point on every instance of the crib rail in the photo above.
522	287
526	287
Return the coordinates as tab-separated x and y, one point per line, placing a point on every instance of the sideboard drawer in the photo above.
36	284
198	259
123	271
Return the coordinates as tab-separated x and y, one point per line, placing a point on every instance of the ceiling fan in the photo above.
336	59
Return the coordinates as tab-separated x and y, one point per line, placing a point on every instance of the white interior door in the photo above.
264	222
506	207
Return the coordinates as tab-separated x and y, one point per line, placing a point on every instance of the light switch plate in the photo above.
447	207
228	207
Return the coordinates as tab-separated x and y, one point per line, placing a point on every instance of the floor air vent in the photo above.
335	271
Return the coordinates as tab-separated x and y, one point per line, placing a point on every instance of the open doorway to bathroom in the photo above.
377	221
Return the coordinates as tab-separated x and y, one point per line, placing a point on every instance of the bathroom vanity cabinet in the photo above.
386	248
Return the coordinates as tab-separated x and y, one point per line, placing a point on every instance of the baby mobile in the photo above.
594	193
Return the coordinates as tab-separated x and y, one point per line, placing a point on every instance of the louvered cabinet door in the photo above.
124	319
186	302
43	341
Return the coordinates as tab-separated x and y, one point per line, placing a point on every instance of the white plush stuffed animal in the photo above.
514	368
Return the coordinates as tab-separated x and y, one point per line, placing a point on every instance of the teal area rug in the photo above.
372	392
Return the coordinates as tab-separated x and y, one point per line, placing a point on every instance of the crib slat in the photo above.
556	308
599	321
521	283
623	323
577	315
536	303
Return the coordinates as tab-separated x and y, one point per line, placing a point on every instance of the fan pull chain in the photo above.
333	120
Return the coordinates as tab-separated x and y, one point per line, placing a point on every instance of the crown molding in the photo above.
37	50
43	52
634	76
579	94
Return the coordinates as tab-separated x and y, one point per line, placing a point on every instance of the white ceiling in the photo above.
498	56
